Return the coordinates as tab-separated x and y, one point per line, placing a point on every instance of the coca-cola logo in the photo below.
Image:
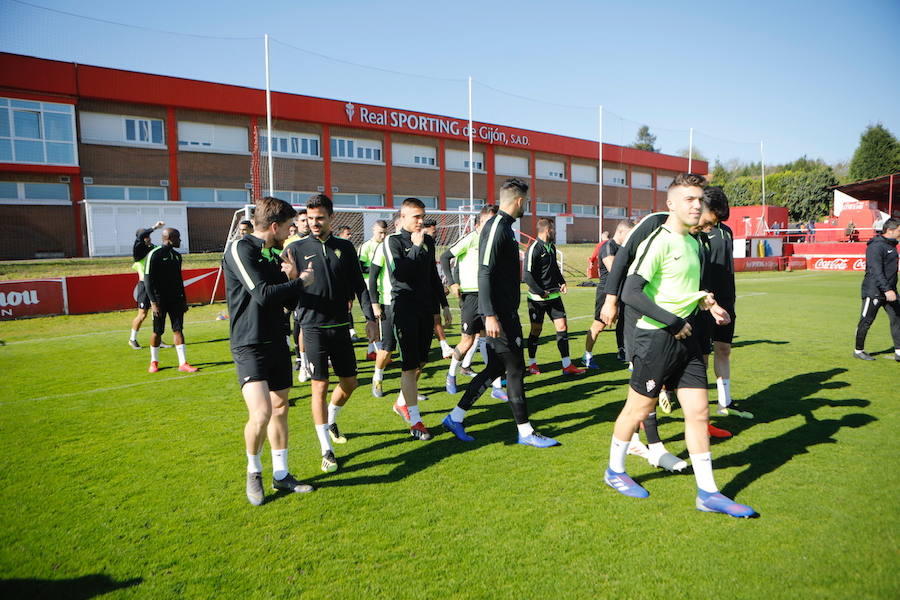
17	298
831	264
859	264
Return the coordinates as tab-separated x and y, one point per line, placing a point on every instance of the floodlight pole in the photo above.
269	123
691	151
471	151
762	166
600	170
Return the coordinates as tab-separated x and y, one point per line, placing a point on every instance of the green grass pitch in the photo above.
120	482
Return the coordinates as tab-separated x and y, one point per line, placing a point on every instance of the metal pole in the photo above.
600	170
891	198
471	151
762	165
691	151
269	123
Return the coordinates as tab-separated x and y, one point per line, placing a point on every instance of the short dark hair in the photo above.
515	185
246	222
415	202
689	180
543	224
429	223
892	223
716	202
320	201
490	209
271	210
344	228
301	211
381	223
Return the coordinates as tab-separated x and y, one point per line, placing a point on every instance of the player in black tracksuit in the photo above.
325	319
879	287
416	289
259	294
139	251
499	294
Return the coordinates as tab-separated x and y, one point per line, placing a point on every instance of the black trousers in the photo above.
870	308
509	361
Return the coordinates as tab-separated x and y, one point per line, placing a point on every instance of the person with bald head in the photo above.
165	288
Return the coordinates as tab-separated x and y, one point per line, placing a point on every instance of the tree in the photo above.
878	154
645	140
697	154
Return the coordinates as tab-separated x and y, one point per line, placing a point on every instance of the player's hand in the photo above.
609	312
158	224
563	289
417	237
372	332
684	333
308	276
720	315
454	289
492	326
287	265
890	296
448	317
708	302
155	308
376	310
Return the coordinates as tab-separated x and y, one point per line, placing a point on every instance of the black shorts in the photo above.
725	333
141	297
661	360
538	308
386	328
322	343
510	339
175	310
413	330
264	362
470	321
599	299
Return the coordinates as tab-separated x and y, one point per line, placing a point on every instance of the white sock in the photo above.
703	472
454	365
378	346
532	361
333	410
370	348
378	376
154	353
414	416
457	414
279	463
617	452
467	359
180	350
401	401
482	347
133	337
525	429
497	383
254	464
324	441
352	332
445	347
566	361
304	362
587	356
657	448
723	387
897	351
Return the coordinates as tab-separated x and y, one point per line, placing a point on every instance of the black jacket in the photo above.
542	272
257	292
499	282
881	267
338	279
139	250
719	270
413	271
162	276
628	250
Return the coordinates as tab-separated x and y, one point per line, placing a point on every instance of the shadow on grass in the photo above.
77	588
742	343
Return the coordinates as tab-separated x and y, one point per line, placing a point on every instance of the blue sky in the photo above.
804	77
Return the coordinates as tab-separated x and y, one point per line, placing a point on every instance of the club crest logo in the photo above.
351	110
337	253
650	385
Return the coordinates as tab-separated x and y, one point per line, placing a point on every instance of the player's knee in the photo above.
260	417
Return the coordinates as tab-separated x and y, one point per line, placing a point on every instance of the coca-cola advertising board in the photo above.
837	263
31	298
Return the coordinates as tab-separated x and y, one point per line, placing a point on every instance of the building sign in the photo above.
31	298
838	263
417	123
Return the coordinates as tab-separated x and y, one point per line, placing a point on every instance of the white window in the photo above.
101	128
456	203
641	180
550	169
550	208
614	177
356	149
663	182
414	155
458	160
215	195
295	198
584	173
12	192
428	201
614	212
585	210
358	200
639	213
206	137
511	165
288	144
37	132
117	192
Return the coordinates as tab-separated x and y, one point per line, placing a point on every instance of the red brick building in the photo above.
71	132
